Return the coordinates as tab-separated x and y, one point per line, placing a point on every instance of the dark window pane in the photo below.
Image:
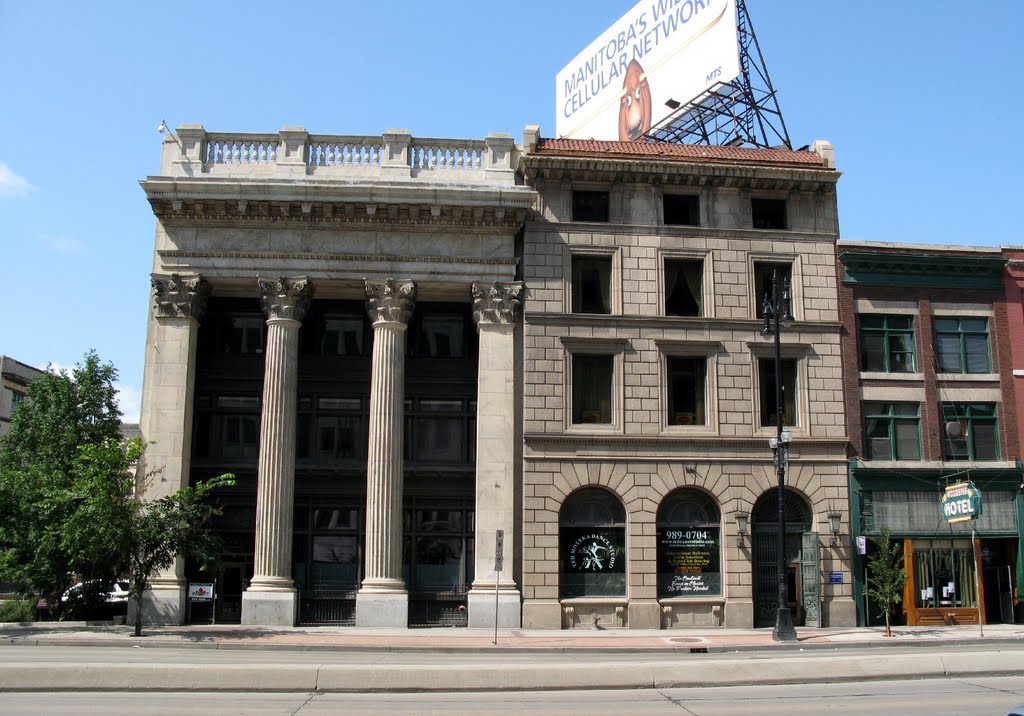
768	394
442	336
976	348
683	289
342	336
686	390
763	275
872	352
908	440
948	347
681	209
591	284
592	388
589	205
768	213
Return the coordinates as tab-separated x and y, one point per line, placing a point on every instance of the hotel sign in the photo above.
961	502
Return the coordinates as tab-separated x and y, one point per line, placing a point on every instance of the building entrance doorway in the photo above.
437	561
802	571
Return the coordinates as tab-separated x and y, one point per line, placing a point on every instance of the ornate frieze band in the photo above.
499	302
286	297
175	296
390	300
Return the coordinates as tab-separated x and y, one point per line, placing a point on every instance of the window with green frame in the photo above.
892	431
962	345
887	343
969	431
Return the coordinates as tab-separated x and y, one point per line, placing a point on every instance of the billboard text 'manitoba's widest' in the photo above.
660	50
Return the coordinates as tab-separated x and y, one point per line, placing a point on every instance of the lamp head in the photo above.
162	128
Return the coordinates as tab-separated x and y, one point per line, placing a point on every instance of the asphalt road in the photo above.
934	697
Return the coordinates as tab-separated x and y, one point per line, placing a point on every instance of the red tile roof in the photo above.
671	150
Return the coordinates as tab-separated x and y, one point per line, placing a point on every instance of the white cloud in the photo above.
129	399
61	244
12	185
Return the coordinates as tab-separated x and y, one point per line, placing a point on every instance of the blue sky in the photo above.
921	99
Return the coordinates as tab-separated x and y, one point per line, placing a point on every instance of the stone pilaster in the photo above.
166	418
271	598
382	599
496	308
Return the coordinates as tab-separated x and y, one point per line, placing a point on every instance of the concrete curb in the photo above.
342	678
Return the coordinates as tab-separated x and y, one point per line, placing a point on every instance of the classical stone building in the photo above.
930	402
338	321
335	319
650	494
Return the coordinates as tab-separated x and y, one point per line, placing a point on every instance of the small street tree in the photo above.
886	574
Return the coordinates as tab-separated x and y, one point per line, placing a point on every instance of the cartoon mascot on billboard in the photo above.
635	104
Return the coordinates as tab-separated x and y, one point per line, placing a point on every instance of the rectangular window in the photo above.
962	345
591	284
681	209
442	336
16	399
686	390
343	336
969	431
887	344
766	370
592	389
892	431
589	205
683	287
764	273
245	335
768	213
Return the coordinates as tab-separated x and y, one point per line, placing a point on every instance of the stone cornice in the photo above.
677	172
536	223
659	448
247	202
666	322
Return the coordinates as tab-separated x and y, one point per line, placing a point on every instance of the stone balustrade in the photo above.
291	153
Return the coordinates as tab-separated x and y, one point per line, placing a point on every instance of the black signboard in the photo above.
593	561
688	562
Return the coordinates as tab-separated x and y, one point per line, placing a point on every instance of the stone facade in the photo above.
287	394
634	452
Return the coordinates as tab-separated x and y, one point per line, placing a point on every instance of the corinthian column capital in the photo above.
175	296
286	297
390	300
497	302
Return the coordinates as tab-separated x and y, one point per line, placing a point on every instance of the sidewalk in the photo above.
453	639
48	657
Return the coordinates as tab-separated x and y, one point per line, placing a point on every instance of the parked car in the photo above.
95	599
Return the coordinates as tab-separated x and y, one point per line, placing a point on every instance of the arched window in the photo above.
592	545
689	545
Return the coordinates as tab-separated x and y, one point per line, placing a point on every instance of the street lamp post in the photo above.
776	312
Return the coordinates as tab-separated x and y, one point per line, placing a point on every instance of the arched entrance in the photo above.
802	556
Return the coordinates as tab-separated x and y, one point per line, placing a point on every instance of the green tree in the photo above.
141	537
886	574
39	463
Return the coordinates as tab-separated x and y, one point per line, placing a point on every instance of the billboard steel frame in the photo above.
742	112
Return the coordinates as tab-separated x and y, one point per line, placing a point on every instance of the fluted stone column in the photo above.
166	418
496	309
382	599
271	598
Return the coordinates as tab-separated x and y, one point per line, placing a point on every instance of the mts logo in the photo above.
714	74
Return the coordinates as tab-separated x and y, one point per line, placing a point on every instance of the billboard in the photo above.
661	50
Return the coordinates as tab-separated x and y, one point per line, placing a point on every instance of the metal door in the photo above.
810	573
766	574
